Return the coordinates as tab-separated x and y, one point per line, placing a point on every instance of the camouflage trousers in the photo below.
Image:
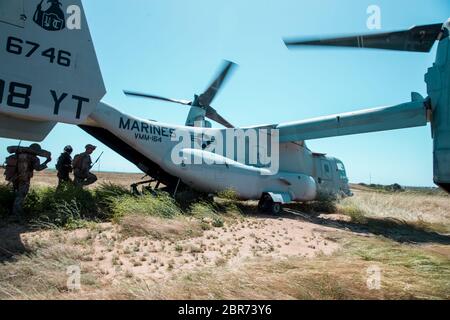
21	190
85	180
63	179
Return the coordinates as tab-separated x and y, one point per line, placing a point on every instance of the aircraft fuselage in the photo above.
205	164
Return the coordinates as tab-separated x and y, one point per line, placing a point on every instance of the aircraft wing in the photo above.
406	115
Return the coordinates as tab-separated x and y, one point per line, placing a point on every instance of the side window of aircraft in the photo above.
341	170
326	170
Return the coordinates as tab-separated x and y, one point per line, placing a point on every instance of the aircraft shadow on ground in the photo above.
394	229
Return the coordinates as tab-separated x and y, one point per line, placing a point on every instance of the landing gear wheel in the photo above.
267	205
276	208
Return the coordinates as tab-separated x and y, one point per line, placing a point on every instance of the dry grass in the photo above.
406	273
41	273
424	211
158	228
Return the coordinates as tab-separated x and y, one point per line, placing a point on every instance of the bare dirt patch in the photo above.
169	249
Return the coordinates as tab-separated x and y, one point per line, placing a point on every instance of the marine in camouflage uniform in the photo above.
82	166
64	166
27	163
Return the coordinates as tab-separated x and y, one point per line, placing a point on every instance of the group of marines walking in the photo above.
24	161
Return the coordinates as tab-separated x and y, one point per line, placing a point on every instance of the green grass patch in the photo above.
352	210
71	208
6	200
207	213
228	194
161	205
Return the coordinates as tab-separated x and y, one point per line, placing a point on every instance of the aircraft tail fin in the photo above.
29	130
49	70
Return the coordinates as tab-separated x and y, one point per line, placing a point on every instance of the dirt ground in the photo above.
117	257
295	238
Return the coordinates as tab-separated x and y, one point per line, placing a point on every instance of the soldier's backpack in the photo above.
17	166
77	161
10	168
59	164
24	171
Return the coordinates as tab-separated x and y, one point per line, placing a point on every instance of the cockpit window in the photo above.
341	169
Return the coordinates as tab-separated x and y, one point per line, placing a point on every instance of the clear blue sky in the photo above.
173	47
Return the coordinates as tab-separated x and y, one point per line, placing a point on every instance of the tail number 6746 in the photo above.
20	47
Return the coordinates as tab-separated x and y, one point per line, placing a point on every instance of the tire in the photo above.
260	206
277	208
265	204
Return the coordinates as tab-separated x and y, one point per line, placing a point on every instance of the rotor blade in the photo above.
417	39
212	114
150	96
208	96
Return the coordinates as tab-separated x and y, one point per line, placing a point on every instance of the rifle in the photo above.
98	159
18	147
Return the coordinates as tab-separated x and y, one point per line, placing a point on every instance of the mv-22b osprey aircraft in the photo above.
49	73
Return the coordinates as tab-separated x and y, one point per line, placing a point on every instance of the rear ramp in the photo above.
149	167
